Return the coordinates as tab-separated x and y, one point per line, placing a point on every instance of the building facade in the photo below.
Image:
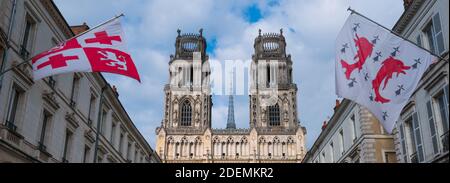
5	13
275	134
352	135
421	134
57	119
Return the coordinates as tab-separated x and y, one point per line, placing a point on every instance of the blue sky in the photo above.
252	13
230	27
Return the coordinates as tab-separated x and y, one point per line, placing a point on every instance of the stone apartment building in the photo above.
352	135
55	120
421	134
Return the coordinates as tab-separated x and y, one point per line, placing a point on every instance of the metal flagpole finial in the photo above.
350	9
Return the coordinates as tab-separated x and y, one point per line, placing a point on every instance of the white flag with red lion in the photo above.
102	49
378	69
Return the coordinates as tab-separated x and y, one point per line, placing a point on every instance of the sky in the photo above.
230	27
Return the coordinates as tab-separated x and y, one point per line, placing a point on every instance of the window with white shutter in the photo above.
403	143
445	109
445	136
413	139
438	36
434	38
432	125
418	137
442	119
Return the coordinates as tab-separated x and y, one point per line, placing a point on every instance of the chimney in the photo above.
114	88
324	125
407	3
78	29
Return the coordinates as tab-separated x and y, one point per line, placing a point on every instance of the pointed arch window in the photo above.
186	114
274	115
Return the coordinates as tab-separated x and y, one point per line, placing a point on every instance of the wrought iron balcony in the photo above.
73	104
42	147
51	82
24	52
444	139
414	158
10	125
64	160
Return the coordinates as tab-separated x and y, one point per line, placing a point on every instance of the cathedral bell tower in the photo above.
185	134
273	102
187	96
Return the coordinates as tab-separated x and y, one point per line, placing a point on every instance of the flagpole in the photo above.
398	35
29	59
99	25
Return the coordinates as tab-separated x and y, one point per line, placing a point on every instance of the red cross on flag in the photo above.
102	49
377	69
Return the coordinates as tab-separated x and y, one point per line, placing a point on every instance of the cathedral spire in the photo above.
231	124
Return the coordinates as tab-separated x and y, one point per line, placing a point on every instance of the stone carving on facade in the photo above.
286	109
167	107
253	111
70	117
50	98
205	111
24	71
90	136
197	109
175	111
263	113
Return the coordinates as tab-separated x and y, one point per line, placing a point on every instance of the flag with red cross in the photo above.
102	49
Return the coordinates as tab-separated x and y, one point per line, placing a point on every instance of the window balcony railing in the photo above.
444	139
52	82
64	160
42	147
73	103
10	125
414	158
24	52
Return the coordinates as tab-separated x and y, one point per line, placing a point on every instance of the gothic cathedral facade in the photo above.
275	134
